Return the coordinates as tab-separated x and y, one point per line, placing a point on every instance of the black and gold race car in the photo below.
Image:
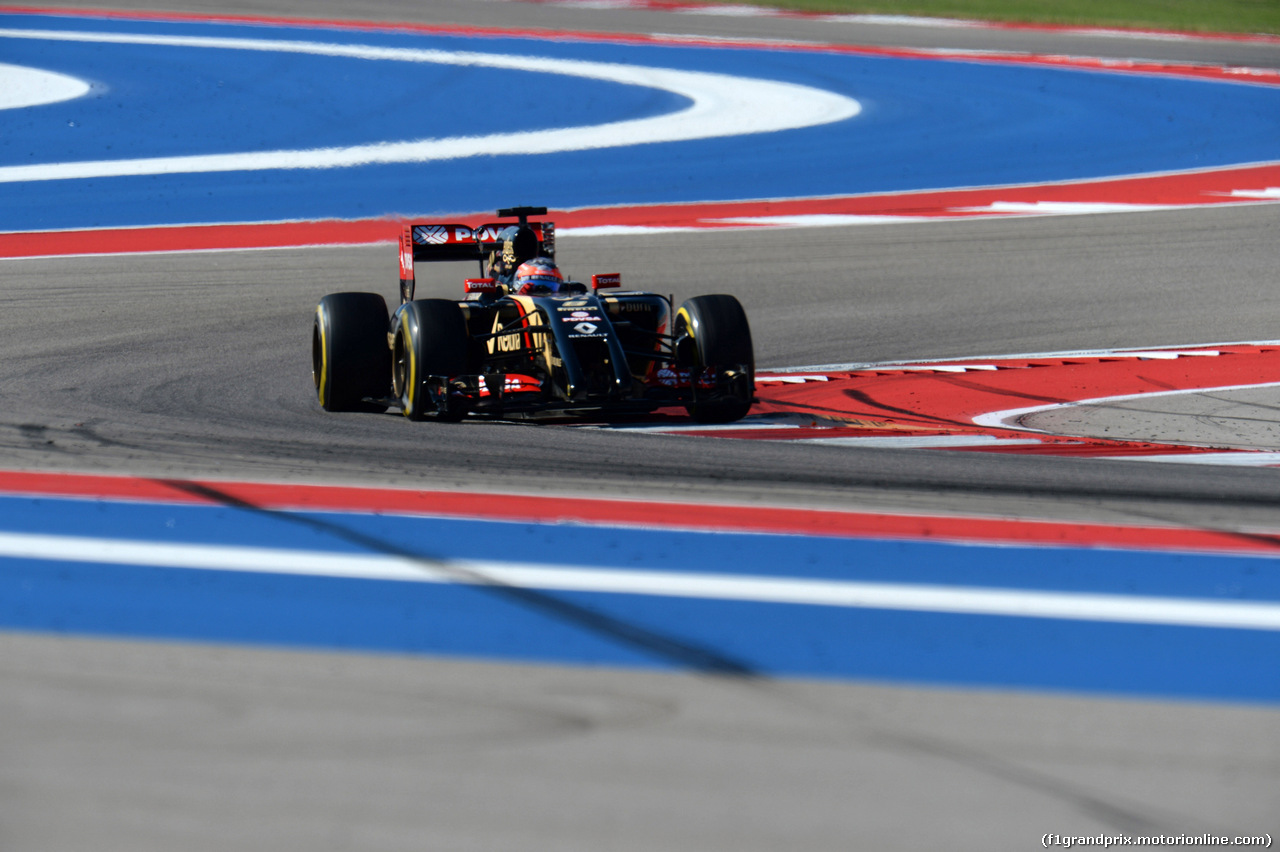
525	341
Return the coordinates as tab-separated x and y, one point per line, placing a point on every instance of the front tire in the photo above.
350	361
721	335
431	340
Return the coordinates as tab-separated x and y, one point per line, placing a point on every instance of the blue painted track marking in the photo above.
925	124
767	638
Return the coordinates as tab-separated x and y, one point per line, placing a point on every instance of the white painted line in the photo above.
726	11
741	425
1010	418
945	368
598	4
969	600
904	21
923	442
719	105
1238	458
628	230
819	220
1185	349
26	87
1062	208
1172	353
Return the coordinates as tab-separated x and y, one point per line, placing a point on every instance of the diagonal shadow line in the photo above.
701	660
844	413
668	648
984	388
866	399
1270	540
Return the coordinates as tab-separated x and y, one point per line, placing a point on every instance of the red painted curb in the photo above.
1248	184
967	405
184	238
629	513
653	5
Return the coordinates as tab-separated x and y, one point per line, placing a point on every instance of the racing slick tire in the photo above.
431	340
350	362
721	335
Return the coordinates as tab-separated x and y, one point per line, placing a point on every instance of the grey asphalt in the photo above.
198	366
1242	419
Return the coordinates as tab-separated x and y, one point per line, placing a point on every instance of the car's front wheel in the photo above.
721	337
431	341
350	361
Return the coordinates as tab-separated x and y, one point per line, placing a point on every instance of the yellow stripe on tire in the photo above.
322	381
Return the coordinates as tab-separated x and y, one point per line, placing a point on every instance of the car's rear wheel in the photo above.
721	337
350	362
432	340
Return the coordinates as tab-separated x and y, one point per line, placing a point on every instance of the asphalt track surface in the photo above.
124	364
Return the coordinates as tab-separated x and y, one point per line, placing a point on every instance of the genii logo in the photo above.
406	259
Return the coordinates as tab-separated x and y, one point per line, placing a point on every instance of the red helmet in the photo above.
538	275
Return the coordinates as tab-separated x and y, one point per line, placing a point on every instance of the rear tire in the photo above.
432	340
722	338
349	357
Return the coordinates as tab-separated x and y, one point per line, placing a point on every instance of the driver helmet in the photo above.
539	275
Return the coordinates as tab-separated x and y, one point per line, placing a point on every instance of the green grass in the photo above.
1227	16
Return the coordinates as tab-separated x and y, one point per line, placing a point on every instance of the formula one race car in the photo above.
526	341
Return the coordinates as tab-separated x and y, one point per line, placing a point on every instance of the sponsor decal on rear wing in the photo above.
449	241
437	241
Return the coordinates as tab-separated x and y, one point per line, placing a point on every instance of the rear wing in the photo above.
431	241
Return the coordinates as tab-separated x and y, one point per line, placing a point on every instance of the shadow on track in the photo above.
666	648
